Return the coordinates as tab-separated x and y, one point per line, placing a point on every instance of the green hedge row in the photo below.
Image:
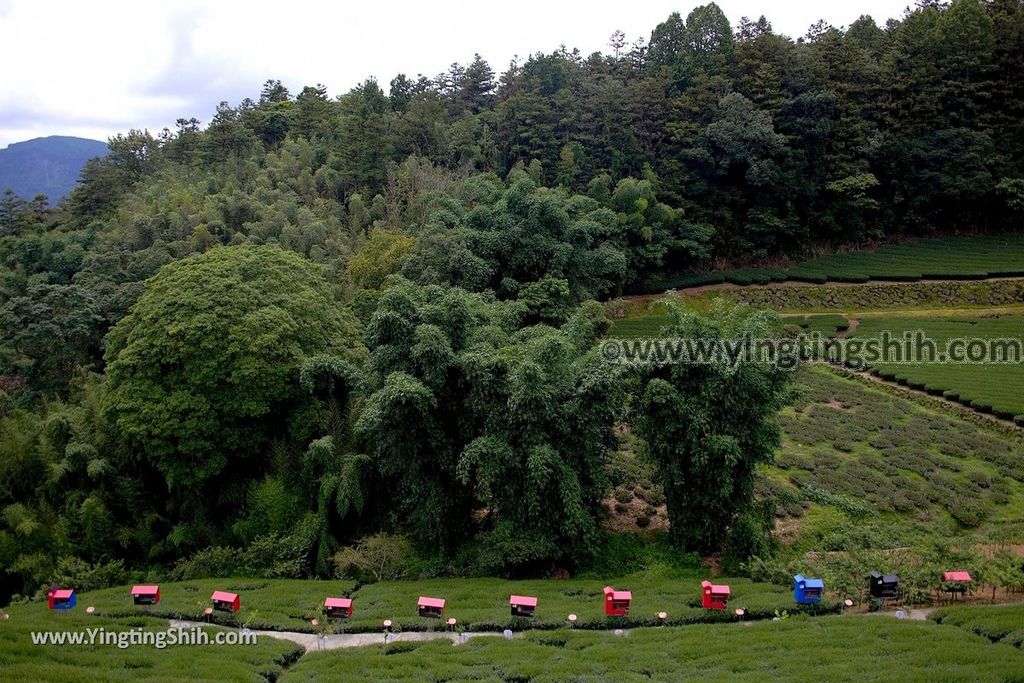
952	258
950	395
889	295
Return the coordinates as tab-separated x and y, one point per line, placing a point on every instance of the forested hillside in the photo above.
46	166
243	345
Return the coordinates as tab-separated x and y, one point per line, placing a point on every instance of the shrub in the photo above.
619	554
278	556
656	497
208	563
72	571
750	536
381	556
969	514
767	570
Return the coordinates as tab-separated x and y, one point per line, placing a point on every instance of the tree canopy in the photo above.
488	428
202	374
708	425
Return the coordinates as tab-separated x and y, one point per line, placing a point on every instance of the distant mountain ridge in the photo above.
49	165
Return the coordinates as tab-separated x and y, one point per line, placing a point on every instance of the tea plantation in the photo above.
998	623
813	650
21	660
794	647
861	468
994	387
948	258
479	604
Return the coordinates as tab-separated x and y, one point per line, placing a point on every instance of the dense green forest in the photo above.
247	345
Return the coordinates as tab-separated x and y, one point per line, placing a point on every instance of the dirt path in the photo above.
853	323
911	614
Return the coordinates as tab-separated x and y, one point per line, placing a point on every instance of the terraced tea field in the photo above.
870	649
478	604
995	387
265	603
21	660
862	471
814	650
947	258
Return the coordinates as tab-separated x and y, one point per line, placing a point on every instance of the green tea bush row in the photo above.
996	388
876	296
930	259
792	649
997	623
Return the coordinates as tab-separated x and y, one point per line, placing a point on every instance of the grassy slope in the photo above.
478	603
860	467
483	603
814	650
265	603
866	479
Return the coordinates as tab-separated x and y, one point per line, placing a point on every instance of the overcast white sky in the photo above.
96	68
